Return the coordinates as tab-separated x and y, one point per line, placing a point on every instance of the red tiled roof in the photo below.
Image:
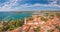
49	23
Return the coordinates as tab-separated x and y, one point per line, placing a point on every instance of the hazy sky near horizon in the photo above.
21	5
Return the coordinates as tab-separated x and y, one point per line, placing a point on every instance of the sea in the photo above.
13	15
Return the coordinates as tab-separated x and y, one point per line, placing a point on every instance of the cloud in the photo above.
13	5
54	2
8	6
37	4
10	3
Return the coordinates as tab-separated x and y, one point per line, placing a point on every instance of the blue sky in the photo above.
26	5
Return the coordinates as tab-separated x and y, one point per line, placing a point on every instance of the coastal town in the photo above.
39	22
29	15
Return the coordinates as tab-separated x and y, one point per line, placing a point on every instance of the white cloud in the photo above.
37	4
8	6
54	3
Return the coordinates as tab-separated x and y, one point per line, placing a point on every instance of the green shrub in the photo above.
44	19
50	30
37	29
12	24
30	18
51	17
58	27
1	29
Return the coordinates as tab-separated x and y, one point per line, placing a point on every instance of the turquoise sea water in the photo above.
8	15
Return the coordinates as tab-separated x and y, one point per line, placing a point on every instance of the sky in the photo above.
27	5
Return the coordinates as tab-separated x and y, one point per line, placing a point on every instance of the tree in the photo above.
58	15
13	24
4	23
21	21
50	30
11	27
44	19
51	17
5	28
30	18
1	29
46	14
58	27
37	29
